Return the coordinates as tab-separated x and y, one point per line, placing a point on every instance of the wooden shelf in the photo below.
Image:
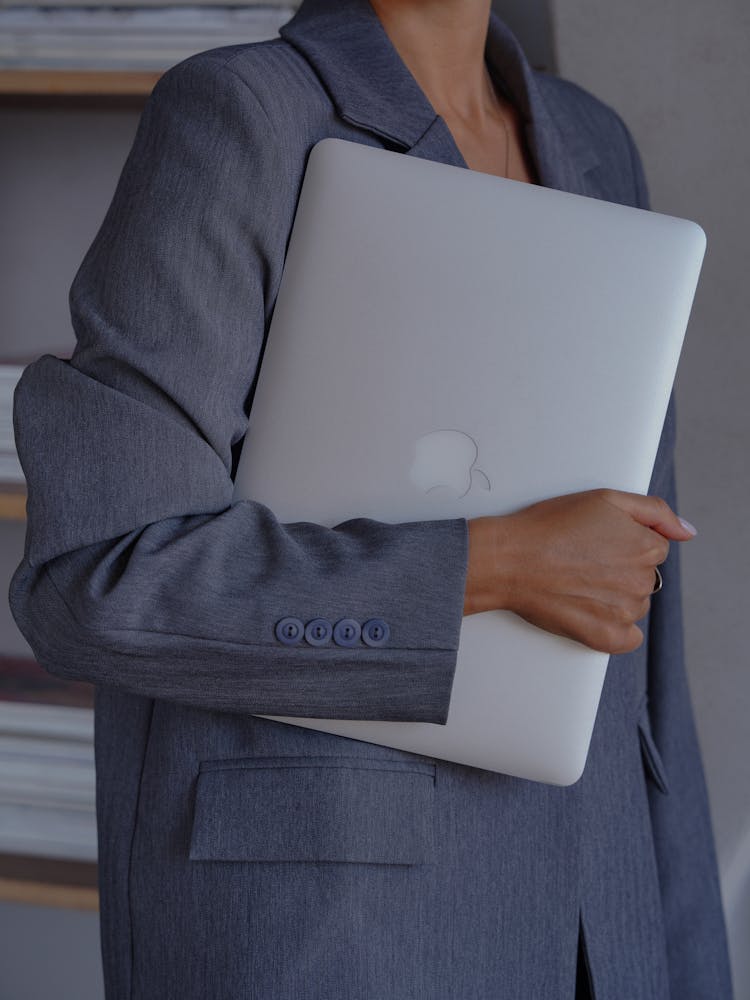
49	882
132	85
12	502
24	681
69	897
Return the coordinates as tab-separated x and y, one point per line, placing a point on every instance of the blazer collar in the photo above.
371	87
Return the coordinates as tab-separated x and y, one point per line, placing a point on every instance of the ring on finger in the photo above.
658	581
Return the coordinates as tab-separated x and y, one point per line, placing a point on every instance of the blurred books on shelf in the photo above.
11	369
10	467
139	36
46	723
47	782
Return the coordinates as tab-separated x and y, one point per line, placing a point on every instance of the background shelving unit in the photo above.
12	502
48	882
61	83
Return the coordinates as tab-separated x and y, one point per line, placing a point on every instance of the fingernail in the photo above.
688	526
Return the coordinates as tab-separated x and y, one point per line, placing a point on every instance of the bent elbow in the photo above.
59	644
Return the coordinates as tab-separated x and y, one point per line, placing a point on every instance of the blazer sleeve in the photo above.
683	837
138	570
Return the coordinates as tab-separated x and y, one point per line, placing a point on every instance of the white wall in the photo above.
678	71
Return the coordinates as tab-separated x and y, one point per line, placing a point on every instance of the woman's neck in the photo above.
442	43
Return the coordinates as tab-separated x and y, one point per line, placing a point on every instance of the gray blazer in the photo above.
245	858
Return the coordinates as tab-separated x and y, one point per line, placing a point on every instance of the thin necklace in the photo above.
507	146
501	112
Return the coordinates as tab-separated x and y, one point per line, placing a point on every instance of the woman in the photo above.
236	854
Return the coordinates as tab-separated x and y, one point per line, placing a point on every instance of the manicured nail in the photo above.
688	526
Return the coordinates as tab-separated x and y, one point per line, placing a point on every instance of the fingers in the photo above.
618	631
580	565
652	512
607	629
625	641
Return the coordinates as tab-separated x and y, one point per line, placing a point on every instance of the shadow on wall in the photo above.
531	22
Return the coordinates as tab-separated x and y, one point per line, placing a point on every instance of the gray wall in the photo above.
678	71
530	20
57	175
49	954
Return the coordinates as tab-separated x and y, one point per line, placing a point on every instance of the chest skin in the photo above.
495	149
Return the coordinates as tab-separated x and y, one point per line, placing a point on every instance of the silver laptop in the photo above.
472	345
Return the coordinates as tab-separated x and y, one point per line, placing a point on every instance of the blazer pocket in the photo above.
314	809
651	757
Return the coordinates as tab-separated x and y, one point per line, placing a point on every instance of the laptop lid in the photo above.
471	345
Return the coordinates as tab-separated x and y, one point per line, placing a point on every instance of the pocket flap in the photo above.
651	756
314	809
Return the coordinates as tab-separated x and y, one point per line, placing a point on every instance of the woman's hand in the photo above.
581	566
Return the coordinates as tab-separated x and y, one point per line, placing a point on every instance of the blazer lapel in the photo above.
560	163
372	88
368	82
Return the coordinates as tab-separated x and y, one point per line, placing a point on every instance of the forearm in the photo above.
186	609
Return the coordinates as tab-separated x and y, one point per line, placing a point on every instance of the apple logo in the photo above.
445	462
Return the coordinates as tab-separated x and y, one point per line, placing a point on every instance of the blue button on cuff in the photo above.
375	632
318	632
289	631
347	632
